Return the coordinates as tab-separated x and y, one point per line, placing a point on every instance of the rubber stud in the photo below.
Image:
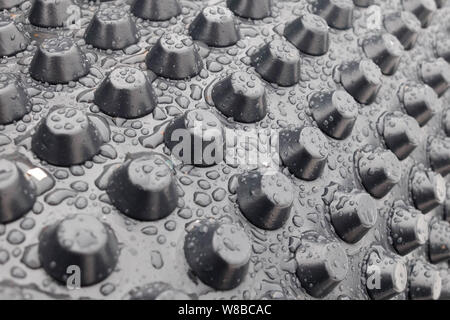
80	242
304	151
215	26
335	112
321	265
409	228
127	93
385	50
445	290
66	137
58	60
401	133
8	4
362	79
419	101
241	96
439	249
424	282
436	74
440	3
156	291
352	214
196	138
14	100
143	188
12	38
446	121
253	9
265	198
218	253
278	62
386	276
309	33
405	26
379	170
50	13
111	28
338	13
156	10
363	3
17	194
422	9
427	189
439	155
174	56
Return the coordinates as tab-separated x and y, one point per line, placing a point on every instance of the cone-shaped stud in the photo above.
338	13
440	241
241	96
309	33
279	62
156	10
445	290
428	189
17	194
422	9
127	93
218	253
386	276
12	39
405	26
436	74
352	214
50	13
446	121
196	138
440	3
419	101
442	48
439	155
401	133
409	228
424	282
58	60
14	100
335	112
156	291
111	28
66	137
253	9
143	188
80	241
8	4
385	50
215	26
379	170
304	151
362	79
265	198
321	265
174	56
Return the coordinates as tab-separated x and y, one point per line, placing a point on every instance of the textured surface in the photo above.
358	153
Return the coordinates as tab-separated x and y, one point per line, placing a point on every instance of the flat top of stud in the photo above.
246	83
399	122
202	123
284	51
57	45
410	21
342	4
218	14
5	20
6	79
278	188
82	234
8	172
314	22
392	44
66	120
400	277
335	261
150	173
111	14
440	188
314	141
421	229
414	92
232	245
345	104
176	42
126	77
